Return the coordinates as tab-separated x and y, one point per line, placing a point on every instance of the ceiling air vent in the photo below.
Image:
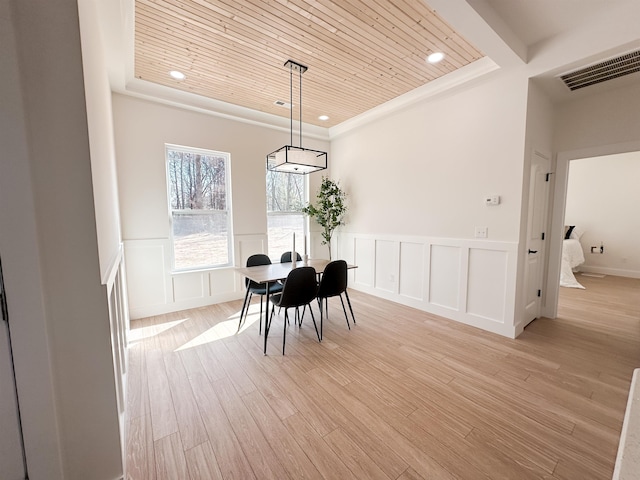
603	71
280	103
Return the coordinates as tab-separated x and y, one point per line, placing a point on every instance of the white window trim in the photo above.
229	209
305	194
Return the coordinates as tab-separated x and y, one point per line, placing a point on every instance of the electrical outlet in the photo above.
482	232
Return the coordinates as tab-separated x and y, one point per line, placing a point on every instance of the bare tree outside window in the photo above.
199	204
286	195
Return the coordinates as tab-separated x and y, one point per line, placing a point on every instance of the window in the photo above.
199	204
286	195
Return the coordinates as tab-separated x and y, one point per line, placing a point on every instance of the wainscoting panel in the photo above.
247	245
119	326
467	280
220	283
387	257
487	284
444	276
412	270
364	257
147	273
188	286
153	289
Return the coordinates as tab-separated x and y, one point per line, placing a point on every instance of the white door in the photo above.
536	234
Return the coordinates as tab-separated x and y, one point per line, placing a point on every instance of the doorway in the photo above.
550	308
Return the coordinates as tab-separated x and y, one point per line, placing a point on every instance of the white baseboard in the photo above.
616	272
152	310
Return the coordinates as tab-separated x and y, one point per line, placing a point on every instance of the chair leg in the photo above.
345	312
301	317
314	323
245	305
284	333
266	330
321	315
349	303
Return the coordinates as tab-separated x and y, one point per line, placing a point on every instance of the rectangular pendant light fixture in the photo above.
292	159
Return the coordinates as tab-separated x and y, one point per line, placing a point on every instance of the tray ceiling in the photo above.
360	53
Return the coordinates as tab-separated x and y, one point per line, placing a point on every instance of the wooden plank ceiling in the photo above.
360	53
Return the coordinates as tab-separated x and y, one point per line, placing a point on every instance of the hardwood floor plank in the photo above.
229	454
304	395
274	395
421	461
170	460
410	474
202	463
375	385
140	456
353	426
518	460
137	386
163	415
402	395
286	449
190	425
319	452
356	459
264	460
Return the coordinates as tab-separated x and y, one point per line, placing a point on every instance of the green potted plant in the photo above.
329	210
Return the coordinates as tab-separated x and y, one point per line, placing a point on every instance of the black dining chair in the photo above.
300	288
256	288
333	284
286	257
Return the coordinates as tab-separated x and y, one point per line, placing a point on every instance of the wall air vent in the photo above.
601	72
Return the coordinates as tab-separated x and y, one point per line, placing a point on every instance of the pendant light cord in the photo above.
291	104
300	77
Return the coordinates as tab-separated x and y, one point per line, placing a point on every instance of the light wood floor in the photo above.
403	395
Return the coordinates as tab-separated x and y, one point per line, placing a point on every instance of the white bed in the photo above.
572	256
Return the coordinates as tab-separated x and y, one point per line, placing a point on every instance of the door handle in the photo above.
533	251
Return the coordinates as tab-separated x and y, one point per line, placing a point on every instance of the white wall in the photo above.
142	128
105	195
605	119
602	200
62	337
100	125
426	169
416	182
23	277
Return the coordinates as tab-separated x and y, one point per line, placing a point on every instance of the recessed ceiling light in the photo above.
435	57
177	75
323	117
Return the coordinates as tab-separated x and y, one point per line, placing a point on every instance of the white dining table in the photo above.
275	272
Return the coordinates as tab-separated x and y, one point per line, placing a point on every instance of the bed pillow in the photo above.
568	230
576	233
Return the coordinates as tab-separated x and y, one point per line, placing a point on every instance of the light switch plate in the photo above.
492	200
